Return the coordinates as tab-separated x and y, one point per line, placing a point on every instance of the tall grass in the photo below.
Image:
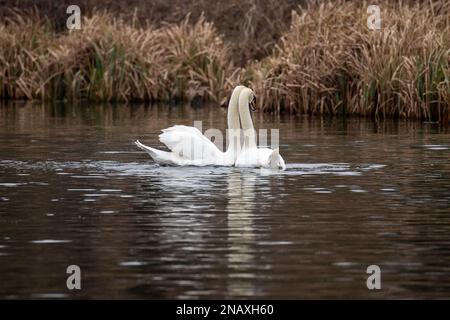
24	39
251	27
110	60
328	62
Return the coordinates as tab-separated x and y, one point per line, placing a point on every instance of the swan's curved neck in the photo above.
246	118
233	115
234	125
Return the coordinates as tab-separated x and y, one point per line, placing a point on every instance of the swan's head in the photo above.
252	103
250	96
276	160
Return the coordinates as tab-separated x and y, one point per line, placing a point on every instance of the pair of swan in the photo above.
189	147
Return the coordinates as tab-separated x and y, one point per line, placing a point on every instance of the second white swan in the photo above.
250	155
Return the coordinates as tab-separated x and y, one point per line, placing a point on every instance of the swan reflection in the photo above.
184	216
241	233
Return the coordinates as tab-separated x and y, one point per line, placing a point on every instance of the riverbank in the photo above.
326	62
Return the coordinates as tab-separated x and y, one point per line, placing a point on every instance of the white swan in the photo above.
250	155
190	147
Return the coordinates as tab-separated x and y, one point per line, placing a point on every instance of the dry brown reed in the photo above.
328	62
110	60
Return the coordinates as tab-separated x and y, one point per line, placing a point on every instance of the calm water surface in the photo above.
74	190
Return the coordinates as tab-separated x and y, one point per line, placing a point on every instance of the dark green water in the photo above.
74	190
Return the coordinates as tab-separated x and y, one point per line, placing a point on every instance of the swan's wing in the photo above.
189	143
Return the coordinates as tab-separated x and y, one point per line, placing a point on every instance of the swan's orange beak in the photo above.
253	104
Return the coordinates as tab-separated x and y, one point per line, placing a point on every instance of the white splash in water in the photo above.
49	241
436	147
132	263
11	184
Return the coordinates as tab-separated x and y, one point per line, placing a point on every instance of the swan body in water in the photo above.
189	147
250	154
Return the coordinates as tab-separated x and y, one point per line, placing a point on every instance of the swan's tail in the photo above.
161	157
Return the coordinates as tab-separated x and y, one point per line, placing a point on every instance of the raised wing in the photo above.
189	143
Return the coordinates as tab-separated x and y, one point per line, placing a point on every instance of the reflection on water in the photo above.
241	237
74	190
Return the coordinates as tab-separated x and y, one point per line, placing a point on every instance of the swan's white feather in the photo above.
188	147
159	156
260	158
189	143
